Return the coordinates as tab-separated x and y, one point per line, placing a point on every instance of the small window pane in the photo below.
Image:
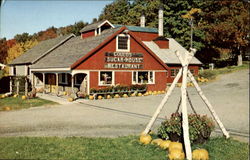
123	42
106	77
172	72
176	71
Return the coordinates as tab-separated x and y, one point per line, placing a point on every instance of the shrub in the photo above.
200	128
209	74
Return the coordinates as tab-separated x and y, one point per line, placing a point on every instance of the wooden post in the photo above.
11	83
17	86
72	84
164	100
210	107
26	87
185	125
43	83
57	90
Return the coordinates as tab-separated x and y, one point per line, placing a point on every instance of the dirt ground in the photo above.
127	116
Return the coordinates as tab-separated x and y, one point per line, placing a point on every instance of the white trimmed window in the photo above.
174	72
106	78
123	42
143	77
63	78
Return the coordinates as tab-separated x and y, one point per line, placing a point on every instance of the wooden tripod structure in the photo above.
184	72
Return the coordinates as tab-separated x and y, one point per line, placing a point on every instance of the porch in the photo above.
73	84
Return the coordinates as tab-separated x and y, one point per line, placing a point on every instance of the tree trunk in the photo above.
239	63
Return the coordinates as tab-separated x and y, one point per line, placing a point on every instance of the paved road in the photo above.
125	116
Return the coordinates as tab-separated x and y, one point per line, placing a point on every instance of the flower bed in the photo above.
200	128
119	89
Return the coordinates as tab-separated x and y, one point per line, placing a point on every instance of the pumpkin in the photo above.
7	108
154	93
159	92
162	92
200	154
23	97
108	97
117	96
165	144
149	92
65	93
176	154
175	145
125	96
99	97
145	139
15	95
3	96
157	141
133	94
146	94
70	99
91	97
139	94
178	84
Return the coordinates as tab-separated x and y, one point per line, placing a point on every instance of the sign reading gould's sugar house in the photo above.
123	60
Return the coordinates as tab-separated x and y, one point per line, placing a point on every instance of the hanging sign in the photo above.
123	60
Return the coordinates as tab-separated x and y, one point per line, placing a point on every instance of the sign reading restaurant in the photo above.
123	60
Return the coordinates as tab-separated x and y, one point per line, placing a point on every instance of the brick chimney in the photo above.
161	41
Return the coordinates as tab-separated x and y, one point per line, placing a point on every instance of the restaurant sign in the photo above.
123	60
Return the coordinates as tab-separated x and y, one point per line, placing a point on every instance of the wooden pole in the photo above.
26	87
164	100
57	90
17	86
72	84
210	107
11	83
185	125
43	83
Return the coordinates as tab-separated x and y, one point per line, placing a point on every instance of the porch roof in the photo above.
39	50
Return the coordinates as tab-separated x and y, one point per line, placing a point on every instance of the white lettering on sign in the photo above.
123	66
122	60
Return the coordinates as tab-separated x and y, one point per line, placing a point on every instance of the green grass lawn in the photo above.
122	148
212	74
18	103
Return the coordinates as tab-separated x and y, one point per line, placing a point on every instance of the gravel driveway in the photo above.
125	116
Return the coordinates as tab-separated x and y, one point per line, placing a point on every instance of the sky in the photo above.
19	16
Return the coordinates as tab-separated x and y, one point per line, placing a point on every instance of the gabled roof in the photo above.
139	29
40	50
95	25
72	50
111	37
168	55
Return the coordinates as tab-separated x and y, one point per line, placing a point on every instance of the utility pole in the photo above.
191	35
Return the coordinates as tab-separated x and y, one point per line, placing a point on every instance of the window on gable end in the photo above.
123	42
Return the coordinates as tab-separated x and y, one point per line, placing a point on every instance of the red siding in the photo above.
162	43
97	60
160	82
144	36
93	80
171	79
88	34
123	78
